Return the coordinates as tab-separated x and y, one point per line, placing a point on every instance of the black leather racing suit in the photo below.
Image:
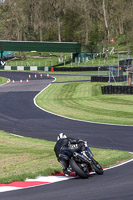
64	149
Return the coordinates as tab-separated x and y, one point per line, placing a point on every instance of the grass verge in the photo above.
84	101
51	59
2	80
71	78
23	158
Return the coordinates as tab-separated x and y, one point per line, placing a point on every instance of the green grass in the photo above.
33	62
3	80
71	78
45	59
84	101
25	157
95	62
54	61
22	158
36	59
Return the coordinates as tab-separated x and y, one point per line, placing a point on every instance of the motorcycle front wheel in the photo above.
97	167
77	169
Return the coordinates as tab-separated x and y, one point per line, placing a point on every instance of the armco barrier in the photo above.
75	68
117	89
82	68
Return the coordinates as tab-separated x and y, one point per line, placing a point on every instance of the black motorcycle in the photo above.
83	163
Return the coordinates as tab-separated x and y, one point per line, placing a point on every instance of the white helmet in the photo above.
61	136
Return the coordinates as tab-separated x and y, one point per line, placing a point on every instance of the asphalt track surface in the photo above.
19	115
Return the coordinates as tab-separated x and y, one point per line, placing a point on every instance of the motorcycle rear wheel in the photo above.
77	169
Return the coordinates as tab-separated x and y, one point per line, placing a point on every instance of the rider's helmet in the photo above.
61	136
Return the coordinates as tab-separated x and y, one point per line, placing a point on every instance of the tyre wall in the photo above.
106	78
117	89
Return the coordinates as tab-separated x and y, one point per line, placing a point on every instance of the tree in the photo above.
56	10
90	22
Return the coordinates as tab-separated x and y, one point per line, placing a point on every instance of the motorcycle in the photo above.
83	163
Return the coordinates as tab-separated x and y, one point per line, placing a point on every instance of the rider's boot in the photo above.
67	171
64	166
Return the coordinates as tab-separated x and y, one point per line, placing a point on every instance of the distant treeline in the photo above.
90	22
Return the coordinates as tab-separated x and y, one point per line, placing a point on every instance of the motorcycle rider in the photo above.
64	149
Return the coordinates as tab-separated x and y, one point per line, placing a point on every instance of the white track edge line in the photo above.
16	135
